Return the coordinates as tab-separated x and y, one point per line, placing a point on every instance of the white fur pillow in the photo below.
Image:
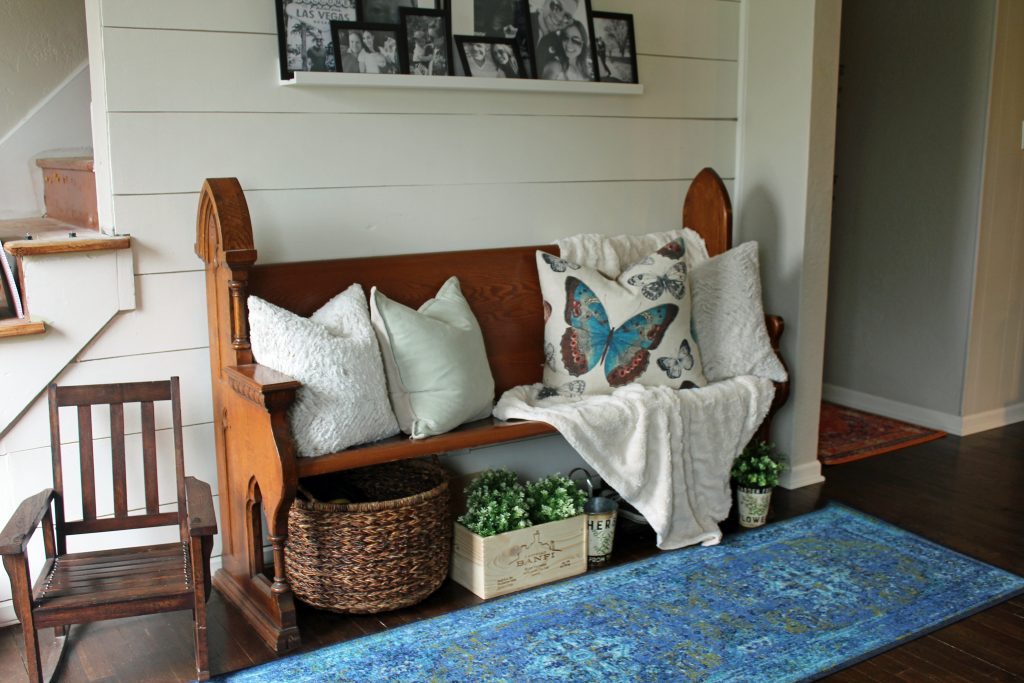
728	317
343	400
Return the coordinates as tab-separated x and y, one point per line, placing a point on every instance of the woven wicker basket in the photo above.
375	556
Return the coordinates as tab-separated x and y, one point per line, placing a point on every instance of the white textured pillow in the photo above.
343	400
728	317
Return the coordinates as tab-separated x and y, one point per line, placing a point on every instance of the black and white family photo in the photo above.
561	40
427	49
615	48
505	19
304	31
484	57
365	48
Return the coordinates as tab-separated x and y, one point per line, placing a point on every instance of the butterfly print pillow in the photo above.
600	334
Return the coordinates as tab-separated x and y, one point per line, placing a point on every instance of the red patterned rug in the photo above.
845	434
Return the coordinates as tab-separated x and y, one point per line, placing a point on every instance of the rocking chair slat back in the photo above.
116	396
117	467
149	457
87	463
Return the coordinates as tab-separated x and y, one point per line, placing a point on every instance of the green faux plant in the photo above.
497	502
758	466
554	498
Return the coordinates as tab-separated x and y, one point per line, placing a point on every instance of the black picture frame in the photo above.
425	43
552	26
389	11
506	19
466	43
616	61
300	22
387	63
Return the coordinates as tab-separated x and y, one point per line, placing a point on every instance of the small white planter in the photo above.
753	505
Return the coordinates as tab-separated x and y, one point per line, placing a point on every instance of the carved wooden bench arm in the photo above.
263	386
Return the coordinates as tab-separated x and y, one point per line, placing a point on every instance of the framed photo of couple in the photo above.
614	47
488	57
560	32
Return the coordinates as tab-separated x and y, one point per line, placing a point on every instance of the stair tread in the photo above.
20	327
40	228
50	236
67	163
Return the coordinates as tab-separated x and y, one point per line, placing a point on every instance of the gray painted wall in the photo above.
910	146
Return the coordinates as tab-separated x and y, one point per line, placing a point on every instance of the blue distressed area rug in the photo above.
787	602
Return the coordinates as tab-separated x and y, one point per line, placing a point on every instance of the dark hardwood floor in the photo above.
965	493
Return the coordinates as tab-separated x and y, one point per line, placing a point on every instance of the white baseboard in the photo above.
801	475
9	618
925	417
991	419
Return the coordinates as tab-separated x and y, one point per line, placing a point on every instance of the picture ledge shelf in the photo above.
333	79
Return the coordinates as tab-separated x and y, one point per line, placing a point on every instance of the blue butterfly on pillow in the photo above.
590	339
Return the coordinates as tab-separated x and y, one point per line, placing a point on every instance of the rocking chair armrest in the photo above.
23	523
199	508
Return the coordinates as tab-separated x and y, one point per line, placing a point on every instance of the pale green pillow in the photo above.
435	361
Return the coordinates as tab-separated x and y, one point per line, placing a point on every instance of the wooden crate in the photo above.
520	559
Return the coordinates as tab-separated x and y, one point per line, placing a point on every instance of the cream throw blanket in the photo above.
668	452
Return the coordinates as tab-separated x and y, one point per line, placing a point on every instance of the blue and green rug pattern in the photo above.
786	602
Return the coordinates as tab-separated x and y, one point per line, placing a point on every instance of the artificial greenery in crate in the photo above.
553	498
515	536
497	502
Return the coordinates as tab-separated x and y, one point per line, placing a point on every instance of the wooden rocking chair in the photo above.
93	586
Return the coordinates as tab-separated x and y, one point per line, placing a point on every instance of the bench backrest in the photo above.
501	286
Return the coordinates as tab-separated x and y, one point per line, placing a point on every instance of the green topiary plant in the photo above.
554	498
495	503
758	466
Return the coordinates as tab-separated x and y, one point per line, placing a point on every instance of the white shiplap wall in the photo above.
189	90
